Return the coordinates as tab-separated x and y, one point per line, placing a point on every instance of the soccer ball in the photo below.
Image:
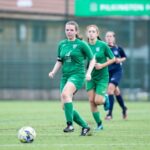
26	134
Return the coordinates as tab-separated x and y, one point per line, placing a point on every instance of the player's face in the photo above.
92	33
70	32
110	38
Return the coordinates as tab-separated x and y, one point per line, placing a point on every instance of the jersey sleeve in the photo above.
87	51
108	52
122	52
58	53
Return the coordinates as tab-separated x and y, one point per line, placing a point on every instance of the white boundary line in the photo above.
74	145
94	134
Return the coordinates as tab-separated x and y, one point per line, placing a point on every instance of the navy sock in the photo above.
120	101
111	101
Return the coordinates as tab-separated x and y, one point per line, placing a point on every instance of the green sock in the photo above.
68	108
79	120
96	116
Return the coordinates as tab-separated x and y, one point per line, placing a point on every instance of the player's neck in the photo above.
92	41
111	44
72	39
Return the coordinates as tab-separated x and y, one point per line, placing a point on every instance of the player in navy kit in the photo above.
115	75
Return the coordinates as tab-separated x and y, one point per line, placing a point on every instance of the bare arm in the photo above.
107	63
56	67
120	60
90	68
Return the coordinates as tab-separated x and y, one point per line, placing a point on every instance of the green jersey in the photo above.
72	54
102	52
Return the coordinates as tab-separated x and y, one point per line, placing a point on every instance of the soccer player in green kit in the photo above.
97	86
71	57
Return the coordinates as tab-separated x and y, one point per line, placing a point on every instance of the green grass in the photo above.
47	118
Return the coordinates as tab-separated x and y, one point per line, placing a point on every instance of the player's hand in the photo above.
88	77
98	66
118	60
51	74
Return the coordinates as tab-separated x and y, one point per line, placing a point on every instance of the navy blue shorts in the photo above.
115	76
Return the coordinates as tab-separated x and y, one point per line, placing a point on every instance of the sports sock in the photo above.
68	108
96	116
120	101
79	120
111	101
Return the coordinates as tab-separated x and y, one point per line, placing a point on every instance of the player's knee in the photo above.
110	92
98	101
91	99
117	91
92	103
65	96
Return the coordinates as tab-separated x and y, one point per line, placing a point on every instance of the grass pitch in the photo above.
47	118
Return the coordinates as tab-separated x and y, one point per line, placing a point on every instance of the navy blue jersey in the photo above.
118	53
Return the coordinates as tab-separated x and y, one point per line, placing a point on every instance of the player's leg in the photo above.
118	76
66	97
80	121
120	100
78	82
115	76
101	97
94	109
111	89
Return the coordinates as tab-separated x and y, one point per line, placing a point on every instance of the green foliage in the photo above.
47	119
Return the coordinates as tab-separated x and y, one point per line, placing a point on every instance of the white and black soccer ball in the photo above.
26	134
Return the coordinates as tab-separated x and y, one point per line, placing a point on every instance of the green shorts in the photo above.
77	80
100	87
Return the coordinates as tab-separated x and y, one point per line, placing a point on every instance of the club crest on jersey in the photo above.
68	54
63	45
116	52
97	49
74	46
